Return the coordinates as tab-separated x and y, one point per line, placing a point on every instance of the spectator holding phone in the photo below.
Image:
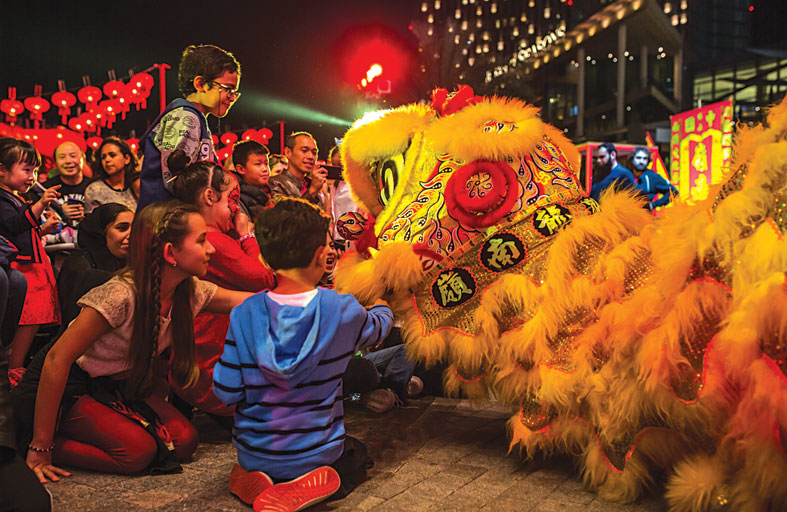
70	161
304	177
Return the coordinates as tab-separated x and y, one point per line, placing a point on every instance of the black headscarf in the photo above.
93	239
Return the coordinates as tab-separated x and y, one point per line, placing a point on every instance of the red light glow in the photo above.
373	53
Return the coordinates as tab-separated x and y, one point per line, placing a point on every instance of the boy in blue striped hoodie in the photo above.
282	366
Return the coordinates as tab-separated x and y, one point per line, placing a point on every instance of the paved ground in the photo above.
437	454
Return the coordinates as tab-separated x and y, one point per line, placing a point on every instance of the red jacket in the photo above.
235	266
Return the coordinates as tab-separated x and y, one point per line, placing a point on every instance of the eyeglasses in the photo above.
232	93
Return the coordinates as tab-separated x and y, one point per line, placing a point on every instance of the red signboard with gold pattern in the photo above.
700	149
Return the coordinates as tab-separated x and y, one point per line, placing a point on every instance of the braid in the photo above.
155	295
155	277
152	321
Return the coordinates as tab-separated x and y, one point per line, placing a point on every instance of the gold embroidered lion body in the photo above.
632	343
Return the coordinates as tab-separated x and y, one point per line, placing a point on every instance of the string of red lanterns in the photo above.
102	106
99	112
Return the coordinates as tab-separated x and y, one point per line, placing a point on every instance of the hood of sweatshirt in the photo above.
289	340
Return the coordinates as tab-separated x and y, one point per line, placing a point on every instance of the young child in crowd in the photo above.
90	400
235	265
251	166
283	361
19	223
208	78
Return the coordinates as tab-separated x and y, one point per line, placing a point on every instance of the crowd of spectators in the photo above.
119	273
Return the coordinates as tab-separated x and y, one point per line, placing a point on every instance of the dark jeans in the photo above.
13	287
388	367
20	490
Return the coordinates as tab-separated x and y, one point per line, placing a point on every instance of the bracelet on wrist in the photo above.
246	237
41	450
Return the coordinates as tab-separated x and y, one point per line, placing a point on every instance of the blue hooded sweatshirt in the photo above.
283	365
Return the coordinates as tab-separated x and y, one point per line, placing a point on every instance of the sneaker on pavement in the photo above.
247	485
379	400
304	491
15	376
415	386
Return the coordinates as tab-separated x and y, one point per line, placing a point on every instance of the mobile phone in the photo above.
334	172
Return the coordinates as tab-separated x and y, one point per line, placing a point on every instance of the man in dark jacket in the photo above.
304	176
618	177
648	182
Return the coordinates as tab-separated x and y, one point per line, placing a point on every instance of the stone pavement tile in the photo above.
374	479
490	409
465	470
409	475
442	484
407	501
550	476
459	503
150	500
510	505
355	501
573	490
485	488
65	492
558	505
497	463
528	491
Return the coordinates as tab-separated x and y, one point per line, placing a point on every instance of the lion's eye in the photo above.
386	176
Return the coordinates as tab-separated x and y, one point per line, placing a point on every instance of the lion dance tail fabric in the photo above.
638	345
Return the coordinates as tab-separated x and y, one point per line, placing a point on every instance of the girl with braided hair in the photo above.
236	265
100	377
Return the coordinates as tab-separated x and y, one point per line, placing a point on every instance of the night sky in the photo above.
290	51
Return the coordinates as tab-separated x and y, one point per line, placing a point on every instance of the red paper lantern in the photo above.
124	105
94	142
229	138
142	80
91	121
11	108
77	124
138	89
251	135
133	144
265	134
224	153
109	109
63	100
37	106
137	95
90	96
114	88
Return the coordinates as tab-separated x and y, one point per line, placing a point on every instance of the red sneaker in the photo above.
247	485
15	376
304	491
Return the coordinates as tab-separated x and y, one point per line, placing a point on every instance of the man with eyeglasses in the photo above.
208	78
607	162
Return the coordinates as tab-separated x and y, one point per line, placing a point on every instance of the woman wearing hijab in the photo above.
103	238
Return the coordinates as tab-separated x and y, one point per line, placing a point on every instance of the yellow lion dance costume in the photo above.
635	344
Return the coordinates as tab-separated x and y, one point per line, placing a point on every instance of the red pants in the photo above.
93	436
